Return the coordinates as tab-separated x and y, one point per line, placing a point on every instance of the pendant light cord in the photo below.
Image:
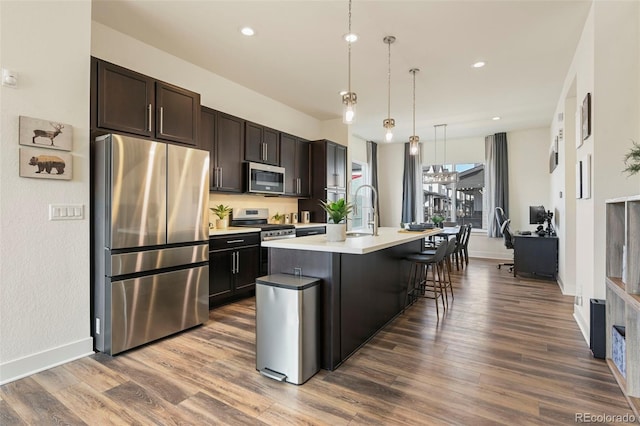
389	83
349	84
414	101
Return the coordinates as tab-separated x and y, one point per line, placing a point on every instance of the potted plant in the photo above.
222	212
336	225
632	159
278	218
437	220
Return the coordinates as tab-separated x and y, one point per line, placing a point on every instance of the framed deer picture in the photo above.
38	133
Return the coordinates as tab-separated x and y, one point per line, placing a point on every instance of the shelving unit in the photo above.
623	290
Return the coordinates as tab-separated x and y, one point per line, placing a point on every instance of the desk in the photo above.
535	255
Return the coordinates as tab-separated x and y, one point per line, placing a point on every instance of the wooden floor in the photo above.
508	351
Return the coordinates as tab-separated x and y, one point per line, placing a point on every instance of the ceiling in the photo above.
298	56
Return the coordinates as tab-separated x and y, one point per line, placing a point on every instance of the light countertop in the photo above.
387	237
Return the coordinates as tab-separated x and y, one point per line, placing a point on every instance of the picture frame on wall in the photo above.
579	179
586	176
45	164
578	128
35	132
586	117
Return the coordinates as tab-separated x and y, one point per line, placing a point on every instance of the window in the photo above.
458	202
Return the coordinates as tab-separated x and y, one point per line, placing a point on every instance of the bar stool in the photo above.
419	284
446	266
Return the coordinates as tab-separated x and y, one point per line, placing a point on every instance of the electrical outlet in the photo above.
97	325
578	300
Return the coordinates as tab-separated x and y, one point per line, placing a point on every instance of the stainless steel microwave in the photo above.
265	179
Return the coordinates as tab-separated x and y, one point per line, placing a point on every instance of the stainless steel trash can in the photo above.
288	327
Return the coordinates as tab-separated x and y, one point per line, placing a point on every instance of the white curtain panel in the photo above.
489	199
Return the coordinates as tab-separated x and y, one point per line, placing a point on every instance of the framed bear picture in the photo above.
45	164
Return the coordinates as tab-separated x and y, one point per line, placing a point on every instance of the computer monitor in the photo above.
537	215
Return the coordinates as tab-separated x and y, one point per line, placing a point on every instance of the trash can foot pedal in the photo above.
273	374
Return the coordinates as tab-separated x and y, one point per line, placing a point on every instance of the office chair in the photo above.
500	217
508	242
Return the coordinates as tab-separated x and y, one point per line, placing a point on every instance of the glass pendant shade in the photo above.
349	101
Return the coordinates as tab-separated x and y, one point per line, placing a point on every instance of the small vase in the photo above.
222	223
336	232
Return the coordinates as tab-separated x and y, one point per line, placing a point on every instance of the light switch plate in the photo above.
66	211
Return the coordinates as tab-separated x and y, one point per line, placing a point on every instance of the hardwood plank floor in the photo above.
507	351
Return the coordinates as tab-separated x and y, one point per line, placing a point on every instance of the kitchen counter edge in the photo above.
387	237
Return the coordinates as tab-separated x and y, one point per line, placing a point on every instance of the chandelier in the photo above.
439	173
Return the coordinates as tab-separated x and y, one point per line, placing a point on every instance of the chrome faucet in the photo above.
375	203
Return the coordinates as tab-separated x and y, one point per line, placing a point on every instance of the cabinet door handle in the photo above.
161	119
220	181
264	157
233	262
237	262
149	117
235	241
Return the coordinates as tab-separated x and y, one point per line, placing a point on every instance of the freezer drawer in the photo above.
149	260
147	308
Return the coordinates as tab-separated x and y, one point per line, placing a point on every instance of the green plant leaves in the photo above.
337	210
221	211
632	159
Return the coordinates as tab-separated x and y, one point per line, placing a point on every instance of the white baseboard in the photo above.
584	328
28	365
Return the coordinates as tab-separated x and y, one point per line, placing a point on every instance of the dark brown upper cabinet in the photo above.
261	144
129	102
294	157
222	134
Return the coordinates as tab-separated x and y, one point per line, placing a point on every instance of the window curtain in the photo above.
372	162
410	198
496	180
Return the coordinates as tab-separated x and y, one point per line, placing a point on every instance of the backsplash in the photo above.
275	205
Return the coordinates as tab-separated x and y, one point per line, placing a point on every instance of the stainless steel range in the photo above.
259	218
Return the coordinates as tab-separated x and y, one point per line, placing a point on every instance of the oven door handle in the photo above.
279	237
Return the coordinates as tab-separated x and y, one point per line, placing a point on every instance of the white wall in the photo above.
44	265
606	65
528	152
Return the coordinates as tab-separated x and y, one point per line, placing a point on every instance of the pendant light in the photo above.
440	175
414	140
349	99
389	123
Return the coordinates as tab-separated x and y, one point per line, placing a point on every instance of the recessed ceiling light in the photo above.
248	31
496	118
351	37
479	64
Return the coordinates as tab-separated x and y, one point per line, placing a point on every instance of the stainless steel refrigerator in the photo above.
150	240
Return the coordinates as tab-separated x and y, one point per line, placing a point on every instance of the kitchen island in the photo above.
364	282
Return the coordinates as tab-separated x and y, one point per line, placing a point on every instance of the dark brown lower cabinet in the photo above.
234	265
